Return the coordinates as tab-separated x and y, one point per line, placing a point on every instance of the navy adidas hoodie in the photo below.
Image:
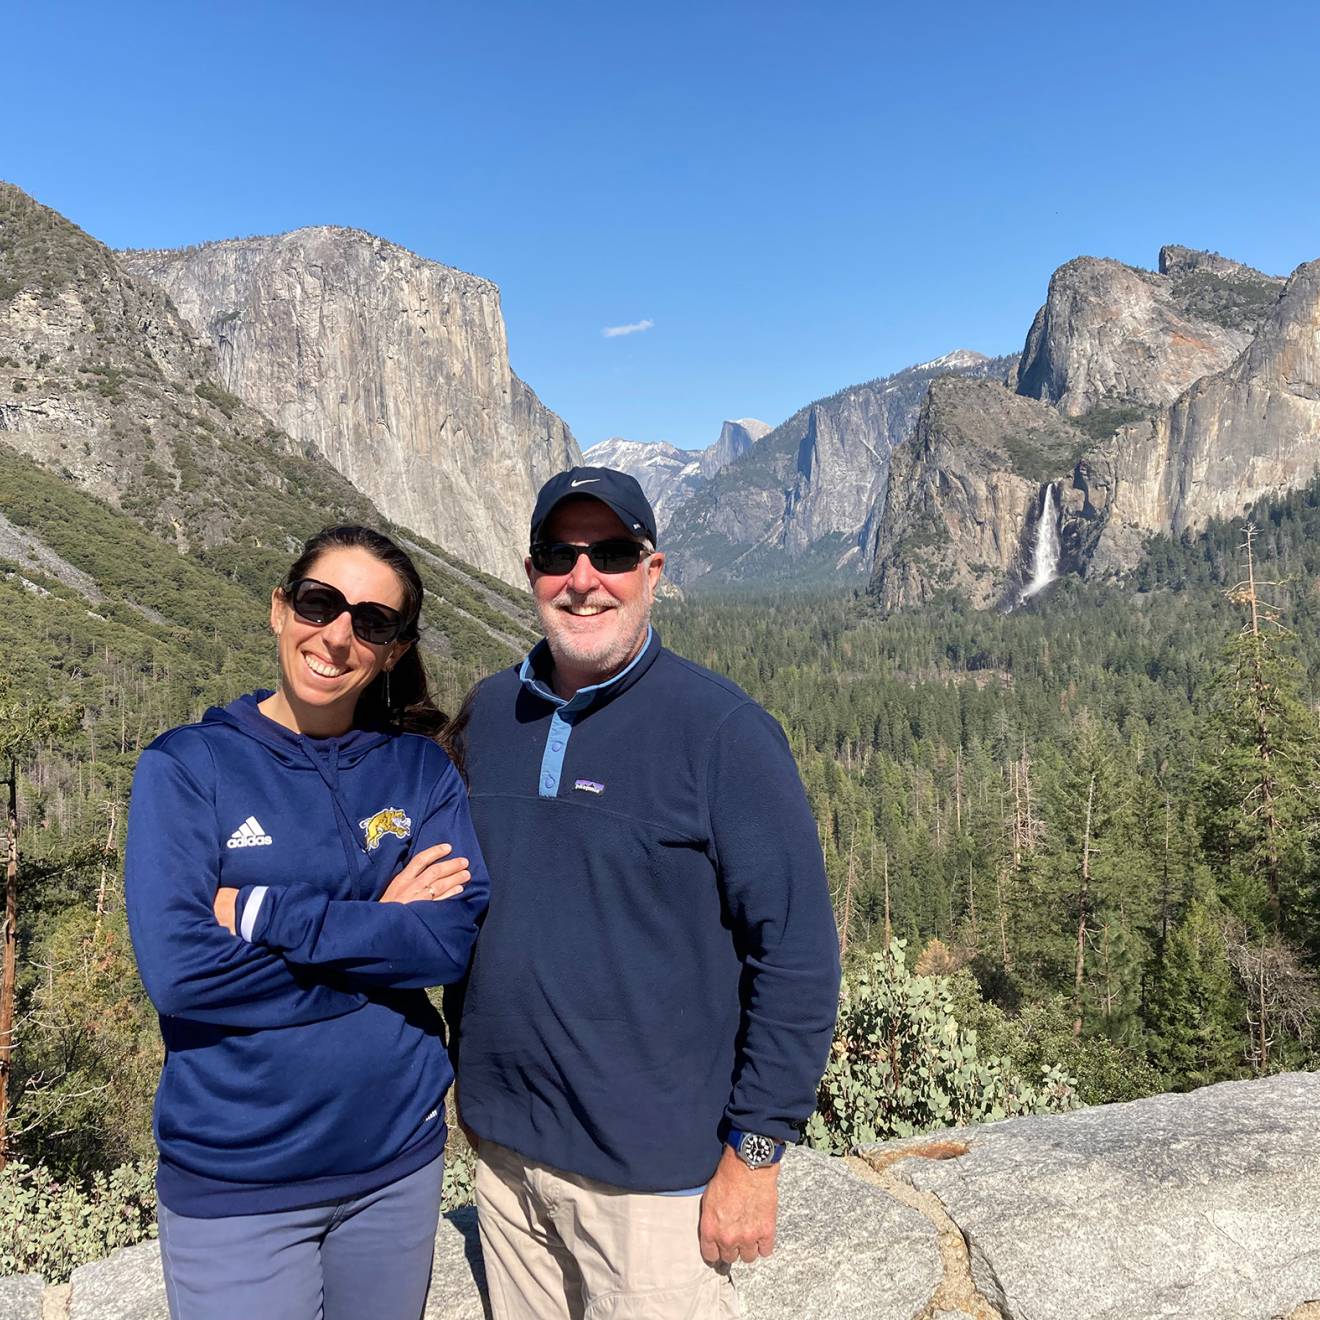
304	1062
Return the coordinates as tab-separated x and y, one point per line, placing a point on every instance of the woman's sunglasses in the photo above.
617	555
318	603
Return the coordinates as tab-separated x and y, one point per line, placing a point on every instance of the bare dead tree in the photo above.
889	925
1283	994
849	884
1083	910
1262	799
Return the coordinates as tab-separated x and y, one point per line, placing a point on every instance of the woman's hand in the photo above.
225	901
432	874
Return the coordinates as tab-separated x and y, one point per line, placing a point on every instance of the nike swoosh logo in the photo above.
588	482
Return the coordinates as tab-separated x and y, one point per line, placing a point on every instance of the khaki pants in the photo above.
561	1247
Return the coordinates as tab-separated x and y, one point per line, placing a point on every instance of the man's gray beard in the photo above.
603	661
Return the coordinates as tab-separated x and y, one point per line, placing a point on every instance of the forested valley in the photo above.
1099	809
1091	821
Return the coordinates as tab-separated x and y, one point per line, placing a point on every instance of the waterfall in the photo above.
1045	550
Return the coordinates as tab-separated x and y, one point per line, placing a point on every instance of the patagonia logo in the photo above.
589	786
389	820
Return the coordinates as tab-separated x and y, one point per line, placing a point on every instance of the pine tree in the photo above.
1260	814
1192	1009
24	724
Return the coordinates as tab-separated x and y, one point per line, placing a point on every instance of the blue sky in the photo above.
796	197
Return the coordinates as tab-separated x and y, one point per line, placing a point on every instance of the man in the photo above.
653	994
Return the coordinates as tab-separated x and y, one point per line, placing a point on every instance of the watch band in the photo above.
755	1151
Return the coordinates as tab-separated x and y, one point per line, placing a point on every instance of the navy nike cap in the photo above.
620	492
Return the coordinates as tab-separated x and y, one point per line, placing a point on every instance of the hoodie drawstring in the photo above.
354	852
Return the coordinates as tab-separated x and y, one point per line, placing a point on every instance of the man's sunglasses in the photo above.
617	555
316	602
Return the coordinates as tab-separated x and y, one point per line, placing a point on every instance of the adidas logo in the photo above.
249	835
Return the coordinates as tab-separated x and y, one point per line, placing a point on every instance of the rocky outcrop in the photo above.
671	476
1204	1205
1218	289
101	381
106	388
394	368
28	551
1249	431
1194	393
803	503
736	438
963	497
21	1297
1111	336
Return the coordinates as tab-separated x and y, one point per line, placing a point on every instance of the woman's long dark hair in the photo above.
410	708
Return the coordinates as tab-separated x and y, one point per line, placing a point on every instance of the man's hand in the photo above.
738	1210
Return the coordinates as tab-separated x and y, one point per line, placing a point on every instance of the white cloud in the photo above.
637	328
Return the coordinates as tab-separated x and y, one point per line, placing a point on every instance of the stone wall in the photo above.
1204	1205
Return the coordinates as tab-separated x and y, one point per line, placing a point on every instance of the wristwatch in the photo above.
755	1151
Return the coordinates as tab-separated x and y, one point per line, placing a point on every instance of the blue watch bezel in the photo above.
735	1139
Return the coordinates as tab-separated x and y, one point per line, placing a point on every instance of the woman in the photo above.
285	865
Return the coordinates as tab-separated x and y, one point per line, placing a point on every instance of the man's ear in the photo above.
655	567
527	568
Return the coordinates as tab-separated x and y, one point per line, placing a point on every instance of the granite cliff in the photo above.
1248	431
101	380
802	504
1185	395
965	494
736	438
671	476
117	442
1111	335
393	368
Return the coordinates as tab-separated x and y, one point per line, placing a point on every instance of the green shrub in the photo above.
901	1064
49	1227
228	403
460	1174
1040	1036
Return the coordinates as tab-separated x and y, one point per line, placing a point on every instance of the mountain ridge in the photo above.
802	503
671	476
111	422
393	367
1210	403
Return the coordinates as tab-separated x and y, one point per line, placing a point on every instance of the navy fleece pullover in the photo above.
304	1062
659	961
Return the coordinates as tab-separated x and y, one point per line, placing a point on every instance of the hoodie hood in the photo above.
295	750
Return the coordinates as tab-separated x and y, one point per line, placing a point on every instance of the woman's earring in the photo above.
389	705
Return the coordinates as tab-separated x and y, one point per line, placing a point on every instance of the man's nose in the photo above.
583	577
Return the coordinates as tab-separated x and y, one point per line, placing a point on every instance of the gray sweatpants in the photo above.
364	1258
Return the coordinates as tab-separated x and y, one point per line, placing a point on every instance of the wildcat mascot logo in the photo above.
390	820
